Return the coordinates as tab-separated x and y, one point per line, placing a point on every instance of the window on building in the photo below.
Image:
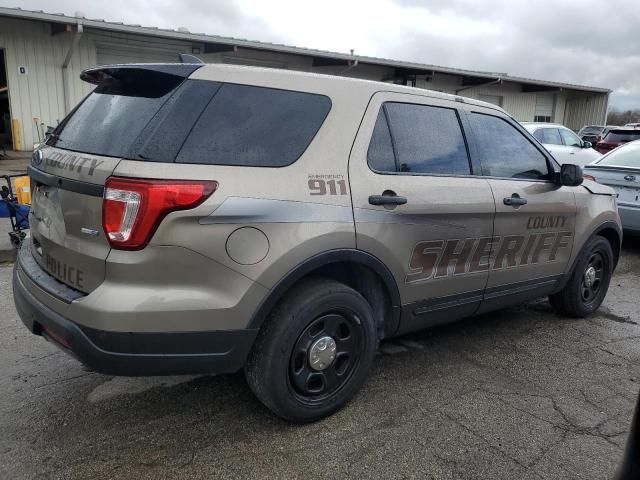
411	138
542	119
504	151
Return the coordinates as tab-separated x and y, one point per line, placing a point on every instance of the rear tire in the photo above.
588	284
291	368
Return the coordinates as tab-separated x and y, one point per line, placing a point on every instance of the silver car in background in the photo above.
620	169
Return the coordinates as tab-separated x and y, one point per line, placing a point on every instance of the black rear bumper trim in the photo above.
135	353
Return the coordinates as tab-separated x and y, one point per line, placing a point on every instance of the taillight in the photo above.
589	177
133	208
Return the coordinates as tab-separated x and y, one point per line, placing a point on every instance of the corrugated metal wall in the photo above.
586	110
40	93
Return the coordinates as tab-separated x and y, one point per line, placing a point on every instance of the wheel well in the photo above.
368	283
613	237
359	270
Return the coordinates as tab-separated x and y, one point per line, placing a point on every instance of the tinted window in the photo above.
109	120
504	151
550	136
590	130
570	139
627	156
380	154
254	126
622	136
426	140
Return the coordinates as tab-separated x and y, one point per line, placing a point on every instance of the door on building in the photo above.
493	99
6	140
419	208
544	107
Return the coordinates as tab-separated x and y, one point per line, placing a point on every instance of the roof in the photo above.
230	41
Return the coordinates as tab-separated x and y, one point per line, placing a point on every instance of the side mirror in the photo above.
570	175
586	144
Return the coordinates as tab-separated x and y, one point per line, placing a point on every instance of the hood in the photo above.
597	188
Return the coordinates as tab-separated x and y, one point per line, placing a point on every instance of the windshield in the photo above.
590	130
627	156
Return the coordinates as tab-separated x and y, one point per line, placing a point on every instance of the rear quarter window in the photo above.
254	126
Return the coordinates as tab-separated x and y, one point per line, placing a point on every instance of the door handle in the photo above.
514	200
387	200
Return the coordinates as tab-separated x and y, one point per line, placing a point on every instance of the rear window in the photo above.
195	121
110	119
627	156
591	130
622	136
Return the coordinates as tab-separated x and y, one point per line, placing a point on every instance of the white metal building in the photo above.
42	55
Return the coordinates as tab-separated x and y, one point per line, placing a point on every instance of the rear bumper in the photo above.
134	353
630	217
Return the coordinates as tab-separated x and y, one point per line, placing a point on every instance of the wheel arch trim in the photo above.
323	259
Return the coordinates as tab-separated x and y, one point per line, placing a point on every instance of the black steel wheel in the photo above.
314	352
325	355
588	283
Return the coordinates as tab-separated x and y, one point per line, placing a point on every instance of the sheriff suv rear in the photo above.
206	219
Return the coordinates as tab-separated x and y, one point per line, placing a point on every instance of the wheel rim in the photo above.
325	355
592	278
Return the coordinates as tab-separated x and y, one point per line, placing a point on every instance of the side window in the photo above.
570	139
254	126
380	155
504	151
549	136
424	139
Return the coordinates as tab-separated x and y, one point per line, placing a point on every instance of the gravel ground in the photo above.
521	393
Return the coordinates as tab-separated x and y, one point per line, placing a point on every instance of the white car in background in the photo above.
562	143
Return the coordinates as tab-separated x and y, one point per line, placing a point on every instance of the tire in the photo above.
577	299
279	369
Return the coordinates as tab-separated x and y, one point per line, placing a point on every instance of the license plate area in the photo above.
627	194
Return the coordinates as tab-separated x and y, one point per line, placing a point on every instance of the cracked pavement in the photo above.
521	393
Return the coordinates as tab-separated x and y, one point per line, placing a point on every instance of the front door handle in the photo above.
387	200
514	200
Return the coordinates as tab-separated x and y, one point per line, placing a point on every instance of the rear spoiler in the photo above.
97	74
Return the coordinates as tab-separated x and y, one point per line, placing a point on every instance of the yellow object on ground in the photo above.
23	189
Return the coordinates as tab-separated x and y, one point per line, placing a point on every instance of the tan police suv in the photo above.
196	218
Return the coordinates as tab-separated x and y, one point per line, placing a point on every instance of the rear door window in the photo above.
504	151
411	138
254	126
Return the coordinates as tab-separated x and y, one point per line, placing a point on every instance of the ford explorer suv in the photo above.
194	218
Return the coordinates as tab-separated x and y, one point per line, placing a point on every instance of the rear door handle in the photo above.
514	200
387	200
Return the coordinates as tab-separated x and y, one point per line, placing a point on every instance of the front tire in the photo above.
314	352
588	284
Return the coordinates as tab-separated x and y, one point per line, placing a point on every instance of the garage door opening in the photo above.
6	141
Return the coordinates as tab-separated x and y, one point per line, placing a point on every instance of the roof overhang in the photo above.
214	43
